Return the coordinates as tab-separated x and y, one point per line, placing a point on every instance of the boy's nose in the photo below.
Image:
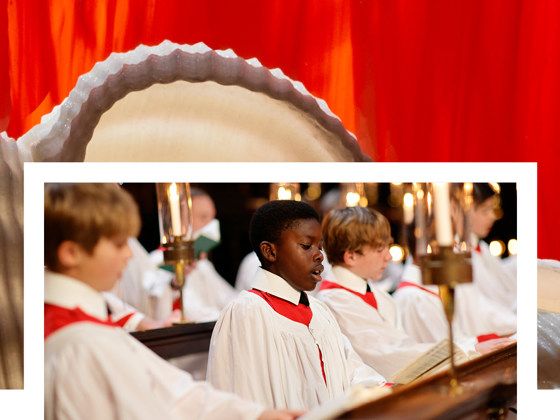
128	252
319	256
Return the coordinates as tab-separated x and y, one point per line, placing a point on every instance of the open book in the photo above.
434	360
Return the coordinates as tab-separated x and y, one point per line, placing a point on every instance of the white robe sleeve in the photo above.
421	314
378	341
120	309
494	280
94	371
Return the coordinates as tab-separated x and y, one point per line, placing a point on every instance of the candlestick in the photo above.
444	232
175	210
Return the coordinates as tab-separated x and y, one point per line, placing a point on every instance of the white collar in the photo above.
349	280
67	292
268	282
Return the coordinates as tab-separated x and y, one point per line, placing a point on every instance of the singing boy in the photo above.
275	344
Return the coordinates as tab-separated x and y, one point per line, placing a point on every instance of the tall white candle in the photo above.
444	232
175	210
408	208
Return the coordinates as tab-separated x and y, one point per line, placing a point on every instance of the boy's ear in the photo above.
349	258
268	250
69	253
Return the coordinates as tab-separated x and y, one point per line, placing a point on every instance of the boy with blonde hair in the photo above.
93	368
356	241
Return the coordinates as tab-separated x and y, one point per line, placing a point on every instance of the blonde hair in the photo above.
84	213
351	229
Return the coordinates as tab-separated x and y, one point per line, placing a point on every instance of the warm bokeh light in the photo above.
512	246
397	252
313	191
497	248
284	194
352	199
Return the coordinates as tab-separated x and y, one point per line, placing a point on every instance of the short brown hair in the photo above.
84	213
351	229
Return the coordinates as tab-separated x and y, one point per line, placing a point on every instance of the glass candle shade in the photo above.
175	213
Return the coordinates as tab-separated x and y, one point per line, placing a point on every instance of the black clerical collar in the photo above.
303	299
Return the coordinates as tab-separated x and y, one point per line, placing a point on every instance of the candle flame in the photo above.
408	200
352	199
284	194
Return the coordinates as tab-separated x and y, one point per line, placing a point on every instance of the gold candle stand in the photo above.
447	269
180	254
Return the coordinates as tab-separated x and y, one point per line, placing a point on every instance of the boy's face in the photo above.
298	255
482	217
103	267
203	211
370	261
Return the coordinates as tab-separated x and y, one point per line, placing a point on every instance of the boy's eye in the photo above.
304	246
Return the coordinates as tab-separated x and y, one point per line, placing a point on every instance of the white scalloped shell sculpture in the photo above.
189	103
165	103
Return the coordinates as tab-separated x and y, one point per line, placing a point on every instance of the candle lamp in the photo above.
285	191
175	226
441	234
353	194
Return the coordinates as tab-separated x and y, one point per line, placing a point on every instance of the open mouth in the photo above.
316	274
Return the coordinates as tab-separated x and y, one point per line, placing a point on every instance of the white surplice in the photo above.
373	332
96	371
266	357
422	315
493	278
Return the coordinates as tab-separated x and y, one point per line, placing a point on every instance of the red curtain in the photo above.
415	80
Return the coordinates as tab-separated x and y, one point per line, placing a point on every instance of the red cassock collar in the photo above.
368	298
57	317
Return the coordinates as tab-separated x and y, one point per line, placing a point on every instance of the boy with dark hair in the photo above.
93	368
275	344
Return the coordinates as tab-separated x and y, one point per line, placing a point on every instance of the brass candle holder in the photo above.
180	254
447	269
441	229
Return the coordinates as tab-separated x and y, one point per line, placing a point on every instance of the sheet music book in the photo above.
434	360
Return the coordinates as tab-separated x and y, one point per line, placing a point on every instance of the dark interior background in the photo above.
236	202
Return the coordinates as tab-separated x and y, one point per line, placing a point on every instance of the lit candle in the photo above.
352	199
175	210
444	233
284	193
408	208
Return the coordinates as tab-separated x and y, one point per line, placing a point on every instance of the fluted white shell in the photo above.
177	102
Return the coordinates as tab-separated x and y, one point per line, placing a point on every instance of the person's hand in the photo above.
492	345
280	414
173	318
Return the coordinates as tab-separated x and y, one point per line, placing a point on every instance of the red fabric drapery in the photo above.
422	80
